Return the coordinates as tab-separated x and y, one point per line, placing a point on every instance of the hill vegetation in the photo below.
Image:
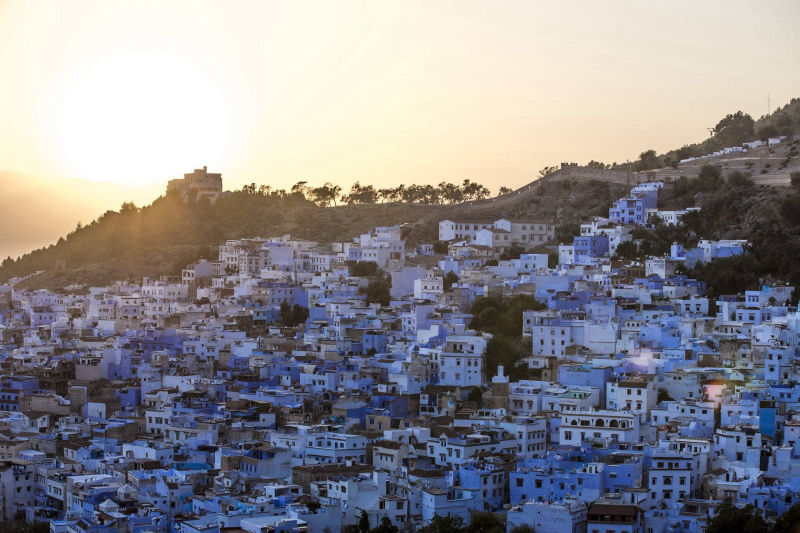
732	130
164	236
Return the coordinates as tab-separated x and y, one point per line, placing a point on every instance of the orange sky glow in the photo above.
139	92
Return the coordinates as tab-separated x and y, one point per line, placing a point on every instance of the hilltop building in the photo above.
197	184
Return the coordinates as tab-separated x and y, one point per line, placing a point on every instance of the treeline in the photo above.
732	130
481	522
750	519
163	237
328	193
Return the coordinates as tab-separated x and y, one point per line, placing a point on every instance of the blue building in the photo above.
586	246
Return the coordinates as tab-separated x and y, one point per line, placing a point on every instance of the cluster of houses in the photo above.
771	141
206	402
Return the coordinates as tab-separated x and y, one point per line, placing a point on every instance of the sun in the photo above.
139	117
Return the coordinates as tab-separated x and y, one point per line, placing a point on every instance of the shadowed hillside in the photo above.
162	237
742	195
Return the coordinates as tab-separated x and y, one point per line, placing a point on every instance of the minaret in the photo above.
500	390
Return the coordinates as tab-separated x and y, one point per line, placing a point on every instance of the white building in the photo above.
429	287
566	516
670	478
461	361
336	448
575	428
450	230
632	395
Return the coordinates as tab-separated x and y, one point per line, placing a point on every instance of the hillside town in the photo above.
292	386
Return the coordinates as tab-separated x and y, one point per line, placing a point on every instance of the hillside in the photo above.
162	237
750	197
168	234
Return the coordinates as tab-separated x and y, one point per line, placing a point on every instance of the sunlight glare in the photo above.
140	117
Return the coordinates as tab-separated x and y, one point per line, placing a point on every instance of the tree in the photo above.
663	396
765	133
325	194
444	524
788	522
473	191
709	178
503	319
732	519
627	250
362	269
440	247
513	252
20	526
286	313
299	189
449	280
728	275
450	193
361	194
299	314
648	160
738	179
363	522
484	523
795	179
790	209
505	190
378	292
128	207
388	195
398	193
544	171
385	526
293	315
784	124
566	231
735	129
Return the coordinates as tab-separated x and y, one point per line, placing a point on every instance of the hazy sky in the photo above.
275	92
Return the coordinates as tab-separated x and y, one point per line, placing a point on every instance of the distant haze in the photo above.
37	211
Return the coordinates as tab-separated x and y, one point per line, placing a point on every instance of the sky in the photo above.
139	92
